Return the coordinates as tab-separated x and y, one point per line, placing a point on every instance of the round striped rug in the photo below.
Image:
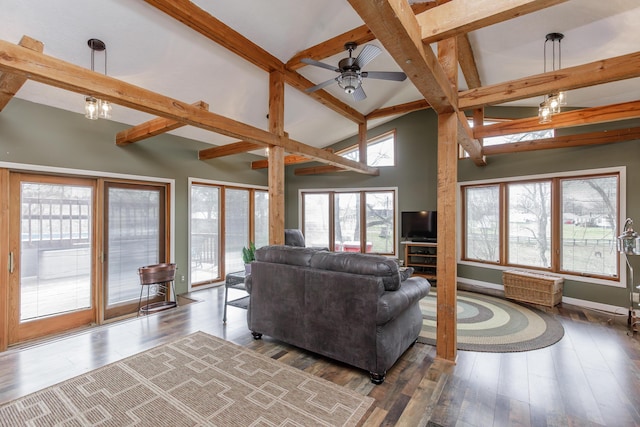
491	324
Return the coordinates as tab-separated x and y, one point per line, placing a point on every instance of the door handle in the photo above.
11	265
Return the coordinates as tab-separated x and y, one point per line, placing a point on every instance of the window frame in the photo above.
331	192
556	180
222	186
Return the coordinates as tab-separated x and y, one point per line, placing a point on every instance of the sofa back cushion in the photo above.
282	254
356	263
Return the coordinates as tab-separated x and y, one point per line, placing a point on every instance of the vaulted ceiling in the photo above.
220	52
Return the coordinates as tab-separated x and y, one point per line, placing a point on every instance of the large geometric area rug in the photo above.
198	380
490	324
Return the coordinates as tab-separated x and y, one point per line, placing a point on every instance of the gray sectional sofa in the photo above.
351	307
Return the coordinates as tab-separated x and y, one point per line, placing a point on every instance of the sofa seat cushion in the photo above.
356	263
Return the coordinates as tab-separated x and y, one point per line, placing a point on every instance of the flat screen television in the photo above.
420	226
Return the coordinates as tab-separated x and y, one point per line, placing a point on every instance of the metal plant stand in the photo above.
161	276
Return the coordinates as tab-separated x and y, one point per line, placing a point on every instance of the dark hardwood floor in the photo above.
590	378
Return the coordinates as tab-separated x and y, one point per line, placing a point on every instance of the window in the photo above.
380	151
350	220
588	231
562	224
509	139
482	222
529	224
316	219
224	217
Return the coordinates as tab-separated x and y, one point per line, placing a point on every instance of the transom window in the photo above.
509	139
380	150
562	224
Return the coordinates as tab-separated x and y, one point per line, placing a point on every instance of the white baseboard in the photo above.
613	309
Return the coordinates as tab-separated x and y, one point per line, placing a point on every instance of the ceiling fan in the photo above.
350	69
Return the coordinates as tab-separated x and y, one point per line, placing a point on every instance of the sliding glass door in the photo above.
51	277
134	231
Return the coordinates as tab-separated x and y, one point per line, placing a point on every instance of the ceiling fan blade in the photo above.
310	61
397	76
359	94
320	86
367	54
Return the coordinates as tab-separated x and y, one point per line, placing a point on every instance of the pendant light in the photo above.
93	107
553	101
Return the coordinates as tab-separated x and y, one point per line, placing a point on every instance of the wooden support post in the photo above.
446	332
478	120
4	260
276	159
362	143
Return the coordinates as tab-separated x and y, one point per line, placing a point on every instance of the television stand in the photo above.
423	257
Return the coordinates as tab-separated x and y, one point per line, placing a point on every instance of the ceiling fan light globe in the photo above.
349	81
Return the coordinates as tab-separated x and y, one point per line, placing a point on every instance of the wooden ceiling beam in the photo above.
317	170
291	159
594	73
228	150
458	17
585	116
400	34
467	62
335	45
152	128
55	72
408	107
204	23
10	84
565	141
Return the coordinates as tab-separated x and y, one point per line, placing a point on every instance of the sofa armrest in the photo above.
392	303
248	283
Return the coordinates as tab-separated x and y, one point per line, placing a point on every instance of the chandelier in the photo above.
553	101
94	108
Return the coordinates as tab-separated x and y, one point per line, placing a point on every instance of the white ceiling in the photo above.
148	48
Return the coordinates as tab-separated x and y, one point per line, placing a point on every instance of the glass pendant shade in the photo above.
554	103
562	98
91	108
544	113
105	109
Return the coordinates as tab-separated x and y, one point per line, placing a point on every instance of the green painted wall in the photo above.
34	134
